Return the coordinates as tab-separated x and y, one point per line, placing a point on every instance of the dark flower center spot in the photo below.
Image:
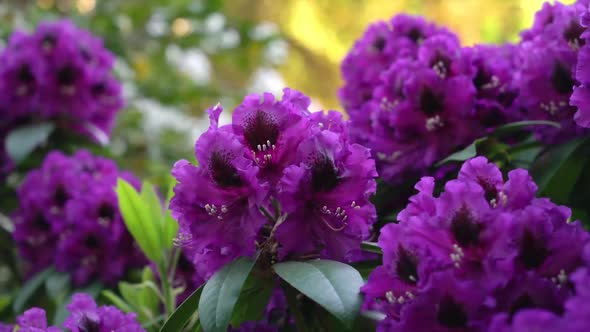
451	314
92	242
379	44
98	89
406	266
465	230
106	211
415	35
490	190
561	78
48	41
524	301
25	74
572	33
440	61
430	103
482	77
324	175
88	324
222	171
41	223
67	76
259	129
60	196
533	251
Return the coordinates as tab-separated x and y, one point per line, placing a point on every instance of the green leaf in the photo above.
221	293
152	202
252	301
116	300
183	313
516	126
170	224
557	170
366	267
144	298
469	152
334	286
21	142
57	285
29	289
371	247
138	220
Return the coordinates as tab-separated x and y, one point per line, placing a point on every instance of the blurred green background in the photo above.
178	57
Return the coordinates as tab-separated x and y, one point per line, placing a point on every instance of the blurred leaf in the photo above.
221	293
138	220
371	247
517	126
30	288
57	284
183	313
333	285
152	202
116	300
366	267
143	298
170	224
21	142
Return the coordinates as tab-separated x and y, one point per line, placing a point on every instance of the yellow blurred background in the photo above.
320	32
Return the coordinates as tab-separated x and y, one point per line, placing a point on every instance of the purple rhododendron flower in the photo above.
56	72
548	56
69	216
86	316
34	320
275	154
484	255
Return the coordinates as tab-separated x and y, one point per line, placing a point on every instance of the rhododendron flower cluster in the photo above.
548	55
484	255
58	72
85	316
68	215
414	95
280	179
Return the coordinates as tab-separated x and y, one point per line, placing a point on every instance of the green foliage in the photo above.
333	285
178	320
557	171
139	217
29	289
221	293
21	142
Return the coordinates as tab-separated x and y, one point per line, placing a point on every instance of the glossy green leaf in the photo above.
556	171
137	218
221	294
253	300
21	142
333	285
183	313
469	152
29	288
